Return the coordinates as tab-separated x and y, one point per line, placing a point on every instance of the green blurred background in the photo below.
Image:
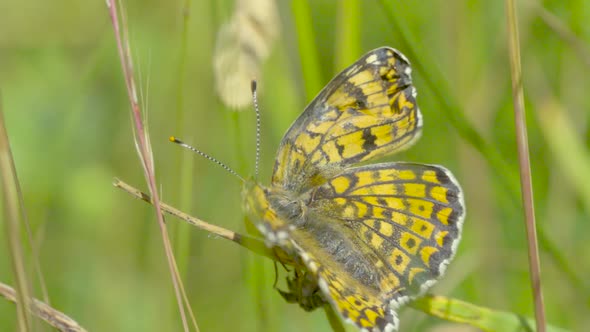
101	252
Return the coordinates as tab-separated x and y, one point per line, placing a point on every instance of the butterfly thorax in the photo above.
287	208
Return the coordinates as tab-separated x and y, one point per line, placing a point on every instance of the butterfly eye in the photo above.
293	210
287	207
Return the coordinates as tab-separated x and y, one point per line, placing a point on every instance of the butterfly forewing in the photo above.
367	111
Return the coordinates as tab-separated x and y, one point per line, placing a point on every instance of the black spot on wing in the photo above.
355	91
369	140
312	134
376	177
340	149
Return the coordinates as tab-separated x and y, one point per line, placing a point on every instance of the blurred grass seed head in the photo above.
243	43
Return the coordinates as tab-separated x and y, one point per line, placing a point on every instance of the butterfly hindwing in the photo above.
410	214
351	299
368	110
379	235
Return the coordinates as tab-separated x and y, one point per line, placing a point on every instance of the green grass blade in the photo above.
308	53
348	47
567	149
487	319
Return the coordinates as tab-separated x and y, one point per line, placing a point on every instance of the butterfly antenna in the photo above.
206	156
253	87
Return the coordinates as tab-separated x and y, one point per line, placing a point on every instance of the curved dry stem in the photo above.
248	242
53	317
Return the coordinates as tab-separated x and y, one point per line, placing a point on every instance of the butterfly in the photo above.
365	238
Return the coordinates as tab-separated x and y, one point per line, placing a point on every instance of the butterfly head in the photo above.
273	211
254	199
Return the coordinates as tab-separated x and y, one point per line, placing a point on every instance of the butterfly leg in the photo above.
303	289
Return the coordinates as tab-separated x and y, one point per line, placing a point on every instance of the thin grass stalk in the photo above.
33	245
28	229
144	150
456	116
12	220
524	163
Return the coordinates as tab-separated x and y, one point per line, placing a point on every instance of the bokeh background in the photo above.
67	115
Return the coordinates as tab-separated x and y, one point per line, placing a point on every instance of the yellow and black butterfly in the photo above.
367	238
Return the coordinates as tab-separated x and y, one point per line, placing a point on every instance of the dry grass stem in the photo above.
524	163
12	221
248	242
53	317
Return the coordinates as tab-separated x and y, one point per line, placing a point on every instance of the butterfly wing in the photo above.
367	111
379	235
